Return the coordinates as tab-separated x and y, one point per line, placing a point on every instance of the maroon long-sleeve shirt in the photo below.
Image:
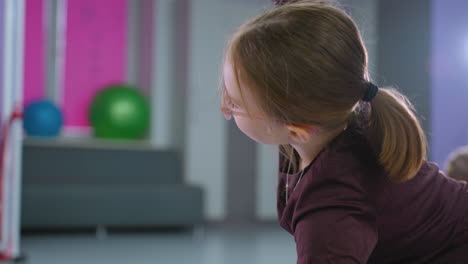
346	210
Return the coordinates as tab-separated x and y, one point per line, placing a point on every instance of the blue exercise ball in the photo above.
42	119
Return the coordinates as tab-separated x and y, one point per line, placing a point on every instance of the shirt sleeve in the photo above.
334	235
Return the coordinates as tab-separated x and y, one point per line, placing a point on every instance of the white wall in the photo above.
364	13
212	21
267	180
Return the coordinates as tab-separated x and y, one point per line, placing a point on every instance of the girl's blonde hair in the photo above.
457	164
305	63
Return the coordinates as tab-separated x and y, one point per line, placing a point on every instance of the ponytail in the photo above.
396	135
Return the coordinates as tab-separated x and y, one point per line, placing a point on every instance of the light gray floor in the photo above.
214	245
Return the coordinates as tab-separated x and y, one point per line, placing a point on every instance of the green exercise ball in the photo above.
120	112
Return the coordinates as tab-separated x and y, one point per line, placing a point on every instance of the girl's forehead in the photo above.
237	90
231	84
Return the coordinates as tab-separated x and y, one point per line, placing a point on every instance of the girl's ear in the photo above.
301	133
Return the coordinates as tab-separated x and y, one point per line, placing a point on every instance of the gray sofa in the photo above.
77	183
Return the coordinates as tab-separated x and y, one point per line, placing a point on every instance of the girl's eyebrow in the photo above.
232	98
235	101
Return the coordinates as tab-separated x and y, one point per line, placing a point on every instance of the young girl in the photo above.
354	186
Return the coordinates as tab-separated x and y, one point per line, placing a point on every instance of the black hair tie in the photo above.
279	2
370	93
284	2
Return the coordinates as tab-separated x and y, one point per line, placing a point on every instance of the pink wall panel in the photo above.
95	53
34	51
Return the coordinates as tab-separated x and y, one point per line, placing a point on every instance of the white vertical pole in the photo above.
8	77
8	58
55	20
17	128
60	48
12	95
163	83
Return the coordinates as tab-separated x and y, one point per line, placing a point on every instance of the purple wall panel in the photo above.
2	41
449	96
